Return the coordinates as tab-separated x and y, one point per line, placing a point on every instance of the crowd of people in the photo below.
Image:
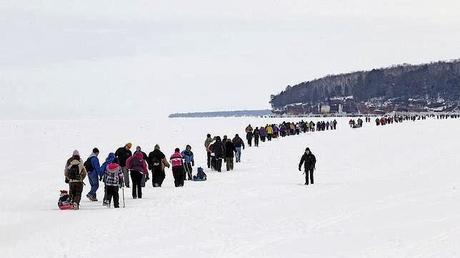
380	121
225	150
273	131
385	120
123	168
358	123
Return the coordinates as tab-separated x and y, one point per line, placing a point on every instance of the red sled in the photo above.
64	202
66	206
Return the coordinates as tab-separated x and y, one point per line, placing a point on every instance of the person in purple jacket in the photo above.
263	133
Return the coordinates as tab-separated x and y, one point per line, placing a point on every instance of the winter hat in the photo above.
157	147
177	150
113	166
76	153
307	149
95	150
138	148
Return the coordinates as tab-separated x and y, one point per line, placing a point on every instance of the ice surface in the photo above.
388	191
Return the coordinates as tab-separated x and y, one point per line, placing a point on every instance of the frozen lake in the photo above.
388	191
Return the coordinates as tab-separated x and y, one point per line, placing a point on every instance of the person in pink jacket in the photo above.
138	167
177	163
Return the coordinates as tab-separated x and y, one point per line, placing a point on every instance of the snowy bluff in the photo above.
406	88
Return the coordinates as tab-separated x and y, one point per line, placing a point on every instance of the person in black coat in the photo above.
309	161
218	149
123	154
238	143
229	154
157	162
256	136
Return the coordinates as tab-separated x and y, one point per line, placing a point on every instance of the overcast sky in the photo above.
91	58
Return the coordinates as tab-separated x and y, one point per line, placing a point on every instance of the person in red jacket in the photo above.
177	163
138	167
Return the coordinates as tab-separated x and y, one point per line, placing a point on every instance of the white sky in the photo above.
91	58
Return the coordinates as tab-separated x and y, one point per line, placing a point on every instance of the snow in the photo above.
387	191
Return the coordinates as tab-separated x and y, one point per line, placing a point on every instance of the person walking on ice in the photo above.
309	162
157	162
94	170
123	154
178	168
113	179
249	134
187	154
238	143
75	173
138	167
208	142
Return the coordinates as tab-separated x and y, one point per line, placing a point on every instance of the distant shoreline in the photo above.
236	113
269	114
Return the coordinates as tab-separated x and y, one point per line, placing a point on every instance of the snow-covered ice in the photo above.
389	191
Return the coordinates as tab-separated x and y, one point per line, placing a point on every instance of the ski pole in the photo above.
123	194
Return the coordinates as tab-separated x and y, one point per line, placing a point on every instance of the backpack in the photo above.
156	162
89	165
74	172
136	164
176	160
200	176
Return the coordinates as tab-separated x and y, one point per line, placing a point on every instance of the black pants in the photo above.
249	141
213	163
229	162
178	173
158	176
269	137
189	170
256	141
75	190
209	159
112	192
309	172
218	164
136	178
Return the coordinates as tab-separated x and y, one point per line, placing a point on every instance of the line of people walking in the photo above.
273	131
221	150
123	168
126	169
385	120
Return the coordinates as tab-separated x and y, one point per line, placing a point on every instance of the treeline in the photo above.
426	81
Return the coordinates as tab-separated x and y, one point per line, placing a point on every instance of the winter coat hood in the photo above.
110	158
139	155
75	162
92	155
113	167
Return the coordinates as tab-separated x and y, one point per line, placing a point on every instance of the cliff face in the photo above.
430	82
